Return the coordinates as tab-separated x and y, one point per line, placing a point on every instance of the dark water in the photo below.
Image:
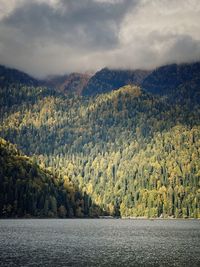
96	242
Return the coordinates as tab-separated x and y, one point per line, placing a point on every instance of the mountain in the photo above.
166	79
68	84
28	189
10	76
162	80
107	80
132	153
127	152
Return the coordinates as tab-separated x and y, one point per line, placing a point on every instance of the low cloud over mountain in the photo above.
45	37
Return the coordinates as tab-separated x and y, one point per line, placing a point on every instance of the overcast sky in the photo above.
44	37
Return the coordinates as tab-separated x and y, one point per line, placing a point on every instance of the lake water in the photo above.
99	242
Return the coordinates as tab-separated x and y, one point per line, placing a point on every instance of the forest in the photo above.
126	153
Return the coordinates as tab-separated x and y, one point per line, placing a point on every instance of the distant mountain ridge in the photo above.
165	79
72	83
11	76
162	80
107	80
66	84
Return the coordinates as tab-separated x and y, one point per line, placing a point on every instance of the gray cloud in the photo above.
58	36
78	23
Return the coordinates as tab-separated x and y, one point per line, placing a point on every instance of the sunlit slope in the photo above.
131	152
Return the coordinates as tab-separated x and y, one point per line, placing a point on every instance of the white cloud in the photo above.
6	7
155	27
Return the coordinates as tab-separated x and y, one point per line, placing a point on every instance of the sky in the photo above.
45	37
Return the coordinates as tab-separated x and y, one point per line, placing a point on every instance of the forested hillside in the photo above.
167	79
107	80
10	76
28	189
68	84
126	152
163	80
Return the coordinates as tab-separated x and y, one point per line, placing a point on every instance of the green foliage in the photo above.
125	153
27	189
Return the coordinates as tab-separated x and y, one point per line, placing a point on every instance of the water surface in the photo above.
99	242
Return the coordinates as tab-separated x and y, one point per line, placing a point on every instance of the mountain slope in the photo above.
10	76
68	84
126	152
166	79
117	148
71	124
107	80
163	80
64	84
27	189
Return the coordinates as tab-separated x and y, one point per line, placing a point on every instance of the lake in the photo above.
99	242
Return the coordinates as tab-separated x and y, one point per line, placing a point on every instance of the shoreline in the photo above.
98	218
